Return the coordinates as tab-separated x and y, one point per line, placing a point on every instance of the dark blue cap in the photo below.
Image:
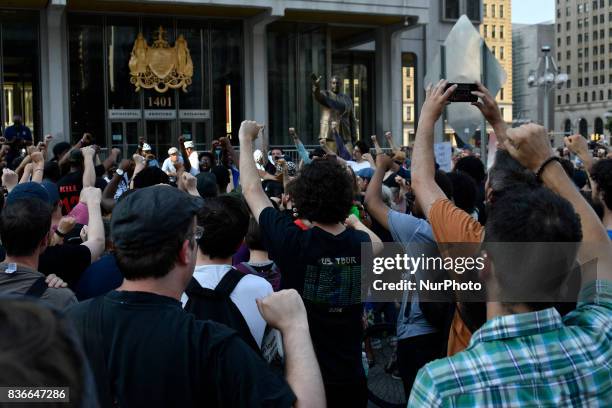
27	191
52	190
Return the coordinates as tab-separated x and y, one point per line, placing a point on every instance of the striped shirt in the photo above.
535	359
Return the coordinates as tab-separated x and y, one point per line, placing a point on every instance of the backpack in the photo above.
216	305
272	275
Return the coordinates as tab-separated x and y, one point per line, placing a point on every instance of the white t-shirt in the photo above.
359	166
249	289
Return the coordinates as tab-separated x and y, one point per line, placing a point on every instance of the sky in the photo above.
532	11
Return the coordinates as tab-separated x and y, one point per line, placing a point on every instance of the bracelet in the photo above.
60	234
543	166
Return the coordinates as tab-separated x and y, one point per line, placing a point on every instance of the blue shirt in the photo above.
610	233
407	229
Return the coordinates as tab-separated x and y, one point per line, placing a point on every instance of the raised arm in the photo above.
316	91
580	147
92	197
108	196
300	146
373	198
89	172
111	159
392	145
249	177
490	110
377	147
285	311
529	145
423	161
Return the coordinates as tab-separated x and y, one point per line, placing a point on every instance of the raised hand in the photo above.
54	281
283	310
48	139
9	179
388	136
249	130
384	161
436	99
37	158
487	105
88	152
529	145
66	225
577	145
91	196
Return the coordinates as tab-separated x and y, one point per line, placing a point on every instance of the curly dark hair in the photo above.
323	192
602	175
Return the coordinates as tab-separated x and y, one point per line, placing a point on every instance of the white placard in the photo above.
124	114
444	154
199	114
160	114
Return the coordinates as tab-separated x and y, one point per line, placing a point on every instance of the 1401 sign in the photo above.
159	102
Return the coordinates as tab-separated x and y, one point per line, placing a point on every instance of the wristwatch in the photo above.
120	172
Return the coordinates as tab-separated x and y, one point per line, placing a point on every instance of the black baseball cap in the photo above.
150	216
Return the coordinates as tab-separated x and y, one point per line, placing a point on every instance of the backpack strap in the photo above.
38	288
229	282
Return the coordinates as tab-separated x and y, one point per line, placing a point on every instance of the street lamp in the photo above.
547	76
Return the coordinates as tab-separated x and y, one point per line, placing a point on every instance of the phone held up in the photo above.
463	93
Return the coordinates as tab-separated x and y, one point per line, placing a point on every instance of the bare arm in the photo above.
95	228
111	159
89	173
392	145
423	161
530	146
249	178
373	198
285	311
377	147
27	173
353	222
490	110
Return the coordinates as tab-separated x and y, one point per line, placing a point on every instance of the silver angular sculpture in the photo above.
466	59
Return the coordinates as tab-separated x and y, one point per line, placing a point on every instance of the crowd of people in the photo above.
233	277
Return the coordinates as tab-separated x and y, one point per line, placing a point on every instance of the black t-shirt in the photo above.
70	187
160	356
66	261
326	270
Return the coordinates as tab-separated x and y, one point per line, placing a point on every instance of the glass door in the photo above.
198	132
159	134
124	136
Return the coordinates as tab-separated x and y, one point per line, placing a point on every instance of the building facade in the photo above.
496	29
584	51
527	43
68	66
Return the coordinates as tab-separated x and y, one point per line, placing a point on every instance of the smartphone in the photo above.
463	93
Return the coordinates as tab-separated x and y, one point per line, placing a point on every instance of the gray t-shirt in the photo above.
407	229
17	282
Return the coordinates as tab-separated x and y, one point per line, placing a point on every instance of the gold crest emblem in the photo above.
160	66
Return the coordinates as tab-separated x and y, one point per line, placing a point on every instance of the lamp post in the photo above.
547	76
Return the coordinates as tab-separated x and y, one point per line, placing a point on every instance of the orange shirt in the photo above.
453	225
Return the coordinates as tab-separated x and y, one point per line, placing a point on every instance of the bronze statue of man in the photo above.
335	107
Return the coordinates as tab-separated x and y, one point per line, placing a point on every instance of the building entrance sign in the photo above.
160	66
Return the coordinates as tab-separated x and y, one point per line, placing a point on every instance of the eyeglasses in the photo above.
198	233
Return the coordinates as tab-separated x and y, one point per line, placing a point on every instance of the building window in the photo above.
579	38
579	81
501	32
473	9
493	50
595	80
558	99
593	96
586	81
558	28
594	35
501	94
451	9
568	26
568	71
567	98
484	10
501	11
568	40
558	41
492	10
493	31
501	53
578	97
609	94
486	31
601	95
586	97
568	54
558	56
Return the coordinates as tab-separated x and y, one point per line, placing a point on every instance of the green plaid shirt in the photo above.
532	359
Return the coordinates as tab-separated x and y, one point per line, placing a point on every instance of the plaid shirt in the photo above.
532	359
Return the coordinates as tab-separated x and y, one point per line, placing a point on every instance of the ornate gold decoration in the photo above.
160	66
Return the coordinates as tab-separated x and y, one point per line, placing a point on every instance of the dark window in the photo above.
451	9
473	9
